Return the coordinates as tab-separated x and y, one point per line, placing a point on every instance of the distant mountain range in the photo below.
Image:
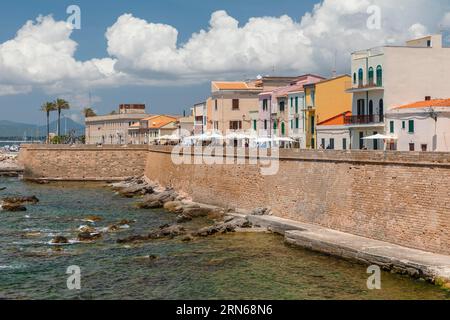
15	129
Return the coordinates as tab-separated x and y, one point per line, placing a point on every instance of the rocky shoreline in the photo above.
153	196
9	165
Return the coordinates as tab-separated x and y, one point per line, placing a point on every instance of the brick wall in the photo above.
403	198
82	162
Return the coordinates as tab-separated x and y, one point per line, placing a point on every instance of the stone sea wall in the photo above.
402	198
83	163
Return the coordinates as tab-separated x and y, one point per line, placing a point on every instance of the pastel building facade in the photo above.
390	76
113	128
234	105
200	117
150	129
281	111
421	126
332	106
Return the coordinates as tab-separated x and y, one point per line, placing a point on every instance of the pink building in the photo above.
277	111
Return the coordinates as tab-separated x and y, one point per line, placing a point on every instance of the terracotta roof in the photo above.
427	104
336	120
237	85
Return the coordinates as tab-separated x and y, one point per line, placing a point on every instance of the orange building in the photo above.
151	128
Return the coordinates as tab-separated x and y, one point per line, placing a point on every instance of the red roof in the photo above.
427	104
337	120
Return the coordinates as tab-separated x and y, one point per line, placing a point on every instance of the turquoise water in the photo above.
233	266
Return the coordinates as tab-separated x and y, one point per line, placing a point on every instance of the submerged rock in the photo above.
88	236
21	200
13	207
224	227
59	240
93	219
165	231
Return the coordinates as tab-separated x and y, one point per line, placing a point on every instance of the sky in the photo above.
166	53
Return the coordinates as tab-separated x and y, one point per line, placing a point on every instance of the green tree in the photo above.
88	112
61	104
47	108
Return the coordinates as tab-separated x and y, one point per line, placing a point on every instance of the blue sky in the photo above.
187	17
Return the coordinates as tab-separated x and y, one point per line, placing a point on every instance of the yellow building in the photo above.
324	100
310	115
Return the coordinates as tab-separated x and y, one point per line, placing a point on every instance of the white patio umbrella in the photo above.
380	137
283	139
263	140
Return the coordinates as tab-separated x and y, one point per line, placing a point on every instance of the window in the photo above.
265	105
292	124
283	129
254	125
360	107
370	108
292	102
296	104
403	125
379	76
313	143
313	98
235	104
411	126
322	145
331	146
344	144
354	78
296	123
312	125
391	127
235	125
375	142
381	109
361	140
411	147
360	77
429	43
275	125
216	125
424	147
265	124
215	104
281	106
371	82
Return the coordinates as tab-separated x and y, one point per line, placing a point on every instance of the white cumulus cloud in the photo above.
140	52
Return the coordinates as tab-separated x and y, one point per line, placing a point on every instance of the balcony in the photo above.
350	87
365	119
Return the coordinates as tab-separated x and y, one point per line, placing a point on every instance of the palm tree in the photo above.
61	104
88	112
47	108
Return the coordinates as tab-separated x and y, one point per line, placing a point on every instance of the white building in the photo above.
333	133
421	126
390	76
113	128
199	112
